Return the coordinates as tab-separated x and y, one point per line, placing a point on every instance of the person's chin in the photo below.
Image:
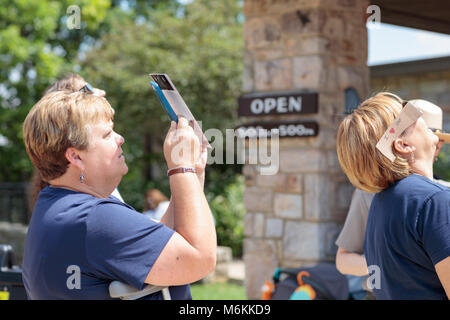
125	170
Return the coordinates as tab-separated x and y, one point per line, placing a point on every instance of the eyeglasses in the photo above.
87	88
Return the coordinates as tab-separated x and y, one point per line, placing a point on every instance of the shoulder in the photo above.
61	204
440	198
442	182
112	212
416	186
112	222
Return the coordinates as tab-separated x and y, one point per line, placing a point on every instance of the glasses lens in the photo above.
87	88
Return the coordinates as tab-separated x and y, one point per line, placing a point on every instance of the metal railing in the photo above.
14	205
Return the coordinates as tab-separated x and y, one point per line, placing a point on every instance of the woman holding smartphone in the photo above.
77	225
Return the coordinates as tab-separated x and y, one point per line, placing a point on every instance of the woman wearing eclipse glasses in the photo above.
385	147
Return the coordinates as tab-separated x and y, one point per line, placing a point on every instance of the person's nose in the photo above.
99	93
120	140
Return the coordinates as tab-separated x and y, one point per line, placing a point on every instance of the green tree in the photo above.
200	47
442	164
35	47
38	46
227	204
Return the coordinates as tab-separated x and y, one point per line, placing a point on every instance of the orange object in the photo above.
305	287
267	290
300	275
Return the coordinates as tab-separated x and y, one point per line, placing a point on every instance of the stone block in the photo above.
253	33
309	241
250	174
265	7
258	225
247	80
270	181
274	228
273	75
300	21
333	162
309	72
302	161
248	224
301	240
261	260
333	25
258	199
305	46
316	197
294	184
269	54
290	183
288	205
261	32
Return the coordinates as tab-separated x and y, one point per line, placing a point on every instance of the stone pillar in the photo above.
294	217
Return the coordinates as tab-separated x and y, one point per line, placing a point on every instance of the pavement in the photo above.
236	271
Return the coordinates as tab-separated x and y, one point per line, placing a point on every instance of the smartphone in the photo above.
174	104
166	105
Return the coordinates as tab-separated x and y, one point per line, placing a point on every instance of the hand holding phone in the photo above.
174	104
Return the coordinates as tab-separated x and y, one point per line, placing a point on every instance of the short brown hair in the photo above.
365	166
58	121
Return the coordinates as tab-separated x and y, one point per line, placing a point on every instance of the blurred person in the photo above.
78	225
407	238
156	204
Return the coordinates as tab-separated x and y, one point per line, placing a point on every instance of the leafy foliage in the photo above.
442	165
35	47
226	202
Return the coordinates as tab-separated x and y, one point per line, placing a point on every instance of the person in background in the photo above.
156	204
350	259
73	83
407	239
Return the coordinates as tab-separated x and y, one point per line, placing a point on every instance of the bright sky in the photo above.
389	43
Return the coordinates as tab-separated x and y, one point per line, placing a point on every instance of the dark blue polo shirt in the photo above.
407	234
104	238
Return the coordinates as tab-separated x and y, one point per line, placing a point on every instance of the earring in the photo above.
412	159
82	177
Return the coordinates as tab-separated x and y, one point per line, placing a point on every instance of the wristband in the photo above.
180	170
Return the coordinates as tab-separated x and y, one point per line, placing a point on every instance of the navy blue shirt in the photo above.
407	234
104	238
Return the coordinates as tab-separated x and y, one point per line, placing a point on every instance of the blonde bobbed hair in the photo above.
58	121
365	166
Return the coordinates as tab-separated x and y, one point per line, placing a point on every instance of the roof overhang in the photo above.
430	15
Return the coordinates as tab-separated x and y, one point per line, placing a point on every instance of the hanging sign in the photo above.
261	104
292	129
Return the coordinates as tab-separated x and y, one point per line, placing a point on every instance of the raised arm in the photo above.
190	254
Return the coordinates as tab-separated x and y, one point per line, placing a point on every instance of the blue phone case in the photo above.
166	105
